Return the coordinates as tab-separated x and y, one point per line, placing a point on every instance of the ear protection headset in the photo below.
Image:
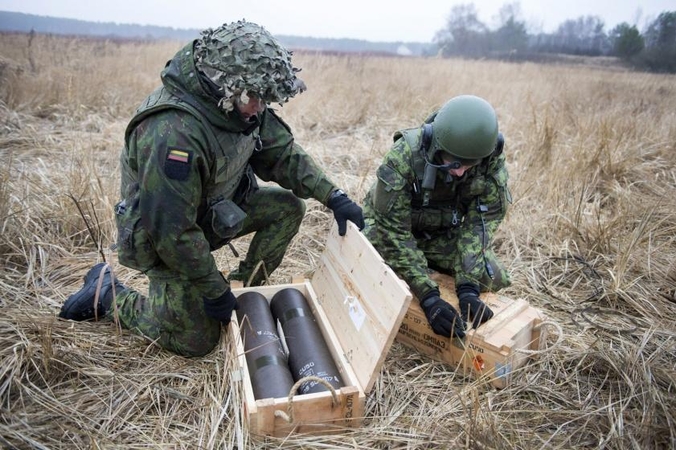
426	142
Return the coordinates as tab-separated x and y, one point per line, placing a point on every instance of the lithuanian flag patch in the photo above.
179	155
177	164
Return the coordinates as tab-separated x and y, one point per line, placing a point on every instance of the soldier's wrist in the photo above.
337	193
430	295
212	286
421	287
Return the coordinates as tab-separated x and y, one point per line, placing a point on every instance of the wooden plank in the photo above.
363	299
359	347
317	413
242	367
347	371
502	318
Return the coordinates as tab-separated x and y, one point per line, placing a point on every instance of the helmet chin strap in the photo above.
443	167
430	173
425	145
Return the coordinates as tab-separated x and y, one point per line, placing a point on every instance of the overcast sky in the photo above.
373	20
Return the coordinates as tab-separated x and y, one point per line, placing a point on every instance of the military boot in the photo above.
80	306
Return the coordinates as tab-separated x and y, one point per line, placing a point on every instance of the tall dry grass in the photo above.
590	239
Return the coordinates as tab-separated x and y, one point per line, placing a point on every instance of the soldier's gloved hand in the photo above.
443	318
221	308
471	306
345	209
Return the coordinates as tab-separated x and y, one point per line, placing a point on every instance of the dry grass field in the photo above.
590	240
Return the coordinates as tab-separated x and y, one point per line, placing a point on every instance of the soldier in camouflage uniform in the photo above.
189	166
440	195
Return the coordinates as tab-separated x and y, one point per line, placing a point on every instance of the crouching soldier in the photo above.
192	153
440	195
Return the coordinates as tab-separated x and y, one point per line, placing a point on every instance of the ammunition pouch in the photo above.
435	219
223	221
389	186
134	246
494	194
501	178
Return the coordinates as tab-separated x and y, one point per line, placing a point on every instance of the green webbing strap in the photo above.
291	314
268	360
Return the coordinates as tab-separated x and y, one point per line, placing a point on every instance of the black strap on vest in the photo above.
426	137
430	173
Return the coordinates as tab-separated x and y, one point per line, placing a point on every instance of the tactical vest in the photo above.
231	151
434	205
438	200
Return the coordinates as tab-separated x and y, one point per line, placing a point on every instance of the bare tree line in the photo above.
653	48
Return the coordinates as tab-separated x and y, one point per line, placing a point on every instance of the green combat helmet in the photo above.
242	59
466	127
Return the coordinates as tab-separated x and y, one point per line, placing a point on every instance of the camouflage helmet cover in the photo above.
466	127
242	58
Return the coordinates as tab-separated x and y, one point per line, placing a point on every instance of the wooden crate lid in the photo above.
364	300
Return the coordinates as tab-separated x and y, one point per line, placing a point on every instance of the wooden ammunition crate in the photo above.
359	304
493	351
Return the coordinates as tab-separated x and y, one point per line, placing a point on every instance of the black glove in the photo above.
443	318
471	306
221	308
345	209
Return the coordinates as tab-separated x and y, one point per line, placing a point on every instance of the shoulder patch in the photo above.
177	164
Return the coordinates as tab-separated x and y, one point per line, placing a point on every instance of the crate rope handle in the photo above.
584	313
288	416
559	332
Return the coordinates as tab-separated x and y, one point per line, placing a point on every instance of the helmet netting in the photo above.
243	59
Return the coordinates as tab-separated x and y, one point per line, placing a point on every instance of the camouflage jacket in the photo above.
467	211
185	158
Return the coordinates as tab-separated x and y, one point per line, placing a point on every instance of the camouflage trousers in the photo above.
172	314
437	250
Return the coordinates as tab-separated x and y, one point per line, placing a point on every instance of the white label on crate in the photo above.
237	375
356	311
502	370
